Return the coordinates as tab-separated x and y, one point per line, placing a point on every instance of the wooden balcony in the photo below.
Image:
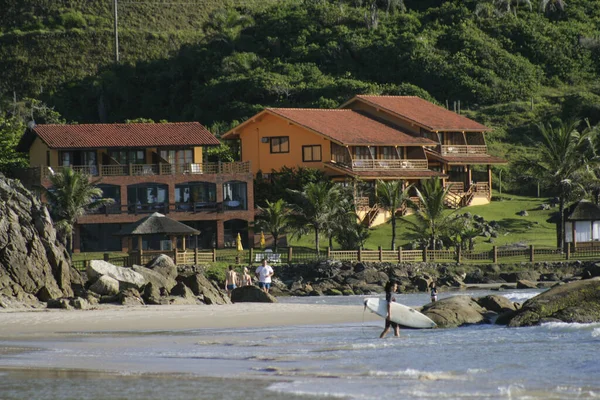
374	165
155	169
463	150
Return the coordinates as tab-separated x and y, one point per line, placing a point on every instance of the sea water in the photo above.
337	361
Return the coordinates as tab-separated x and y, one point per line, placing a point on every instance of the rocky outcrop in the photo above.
201	286
157	279
251	294
105	286
577	301
455	311
164	265
32	260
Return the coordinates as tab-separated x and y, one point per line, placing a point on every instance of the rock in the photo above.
514	277
127	278
151	294
523	213
154	277
201	286
164	265
525	284
63	303
499	304
574	302
130	297
79	304
592	271
455	311
105	286
32	257
251	294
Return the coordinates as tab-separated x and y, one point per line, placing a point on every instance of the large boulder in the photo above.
164	265
157	279
201	286
455	311
105	286
577	301
127	278
31	258
251	294
499	304
182	295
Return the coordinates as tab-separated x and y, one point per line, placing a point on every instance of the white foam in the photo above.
573	326
294	389
421	375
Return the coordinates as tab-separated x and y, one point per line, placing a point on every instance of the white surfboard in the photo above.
401	314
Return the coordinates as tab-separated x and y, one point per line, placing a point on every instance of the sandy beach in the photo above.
109	318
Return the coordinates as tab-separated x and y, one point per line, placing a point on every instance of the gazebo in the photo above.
582	224
156	224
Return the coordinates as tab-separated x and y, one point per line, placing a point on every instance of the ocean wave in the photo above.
292	388
420	375
572	327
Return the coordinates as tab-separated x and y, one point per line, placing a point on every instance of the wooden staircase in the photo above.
371	215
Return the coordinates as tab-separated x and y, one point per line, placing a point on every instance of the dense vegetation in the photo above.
509	64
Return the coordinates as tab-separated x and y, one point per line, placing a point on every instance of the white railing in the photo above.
464	150
362	165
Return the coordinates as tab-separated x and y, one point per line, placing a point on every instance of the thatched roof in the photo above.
157	224
583	211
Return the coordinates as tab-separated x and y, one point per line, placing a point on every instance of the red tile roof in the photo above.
90	136
422	112
349	127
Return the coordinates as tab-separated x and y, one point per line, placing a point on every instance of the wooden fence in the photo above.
290	255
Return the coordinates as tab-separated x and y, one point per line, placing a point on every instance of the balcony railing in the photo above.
463	150
165	208
372	165
155	169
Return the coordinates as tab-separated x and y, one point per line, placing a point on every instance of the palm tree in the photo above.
390	196
562	156
275	218
314	207
430	210
71	195
226	26
550	6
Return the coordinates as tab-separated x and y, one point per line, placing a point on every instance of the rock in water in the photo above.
573	302
455	311
31	258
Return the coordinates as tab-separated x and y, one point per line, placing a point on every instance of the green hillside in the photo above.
506	63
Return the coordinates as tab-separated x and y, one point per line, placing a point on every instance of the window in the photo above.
147	197
280	144
311	153
235	195
195	195
125	157
177	156
388	153
583	231
362	153
66	158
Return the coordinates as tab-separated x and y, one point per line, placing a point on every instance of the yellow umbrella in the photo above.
239	243
262	240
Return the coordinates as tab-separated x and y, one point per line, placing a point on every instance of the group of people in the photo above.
390	289
263	273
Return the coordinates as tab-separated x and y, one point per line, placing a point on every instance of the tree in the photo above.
314	207
11	130
430	210
71	195
275	218
391	196
226	25
551	6
562	155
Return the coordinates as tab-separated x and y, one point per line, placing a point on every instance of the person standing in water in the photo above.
434	292
390	288
230	280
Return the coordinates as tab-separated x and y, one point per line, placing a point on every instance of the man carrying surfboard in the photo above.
390	288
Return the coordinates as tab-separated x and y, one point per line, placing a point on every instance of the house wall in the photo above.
37	154
259	153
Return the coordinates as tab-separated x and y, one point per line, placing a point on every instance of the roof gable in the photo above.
421	112
89	136
583	211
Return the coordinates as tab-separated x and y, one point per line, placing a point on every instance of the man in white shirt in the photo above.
264	273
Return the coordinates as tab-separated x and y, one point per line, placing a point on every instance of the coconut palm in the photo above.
430	210
390	196
275	218
226	26
314	207
550	6
71	195
562	157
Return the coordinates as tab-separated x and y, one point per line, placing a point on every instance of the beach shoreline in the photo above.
111	318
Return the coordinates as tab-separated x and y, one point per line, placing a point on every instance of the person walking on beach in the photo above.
264	273
390	288
230	280
434	292
246	278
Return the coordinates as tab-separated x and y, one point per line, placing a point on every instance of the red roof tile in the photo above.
90	136
349	127
422	112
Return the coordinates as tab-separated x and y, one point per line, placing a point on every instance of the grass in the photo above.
531	230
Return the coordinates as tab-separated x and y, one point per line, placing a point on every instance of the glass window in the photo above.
583	231
388	153
311	153
280	144
362	153
235	195
148	197
66	158
128	156
569	232
180	157
200	194
596	230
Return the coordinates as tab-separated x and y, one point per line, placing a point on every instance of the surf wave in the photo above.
421	375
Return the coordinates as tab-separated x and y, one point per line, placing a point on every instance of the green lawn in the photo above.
532	229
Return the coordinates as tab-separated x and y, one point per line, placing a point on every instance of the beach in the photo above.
300	348
112	318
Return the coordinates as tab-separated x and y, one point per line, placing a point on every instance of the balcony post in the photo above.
100	170
130	167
